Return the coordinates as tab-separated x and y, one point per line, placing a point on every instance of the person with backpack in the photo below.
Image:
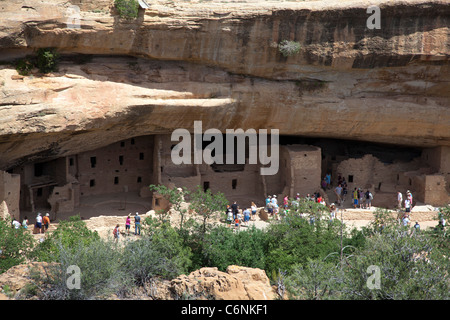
369	198
137	224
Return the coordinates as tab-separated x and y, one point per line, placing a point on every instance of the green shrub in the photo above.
47	60
407	271
160	253
128	9
69	234
289	48
223	247
100	273
318	279
295	239
15	245
24	66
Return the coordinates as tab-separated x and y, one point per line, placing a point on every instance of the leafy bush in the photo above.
407	271
69	234
316	280
101	273
127	9
223	247
289	48
15	245
295	239
47	60
158	254
24	66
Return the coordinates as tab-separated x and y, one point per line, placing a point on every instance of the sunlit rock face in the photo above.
220	63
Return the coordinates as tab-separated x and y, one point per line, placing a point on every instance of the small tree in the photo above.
175	197
206	204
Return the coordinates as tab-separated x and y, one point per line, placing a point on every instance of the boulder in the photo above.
238	283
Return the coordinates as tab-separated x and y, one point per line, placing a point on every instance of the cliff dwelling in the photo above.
129	166
370	105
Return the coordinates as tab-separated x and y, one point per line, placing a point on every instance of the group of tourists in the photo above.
238	218
407	203
137	226
41	225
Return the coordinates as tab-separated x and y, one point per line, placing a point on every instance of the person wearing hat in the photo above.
274	199
46	221
137	224
409	197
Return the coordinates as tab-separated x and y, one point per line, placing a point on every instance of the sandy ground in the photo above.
103	213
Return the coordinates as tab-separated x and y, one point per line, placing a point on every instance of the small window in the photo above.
139	179
350	178
205	186
141	156
38	169
39	192
93	162
71	162
121	160
116	180
132	140
234	183
122	144
92	183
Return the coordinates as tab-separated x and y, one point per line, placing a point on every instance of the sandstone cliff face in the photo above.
219	63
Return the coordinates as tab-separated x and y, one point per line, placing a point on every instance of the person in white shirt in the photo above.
405	221
39	222
399	199
254	208
407	206
274	199
16	224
